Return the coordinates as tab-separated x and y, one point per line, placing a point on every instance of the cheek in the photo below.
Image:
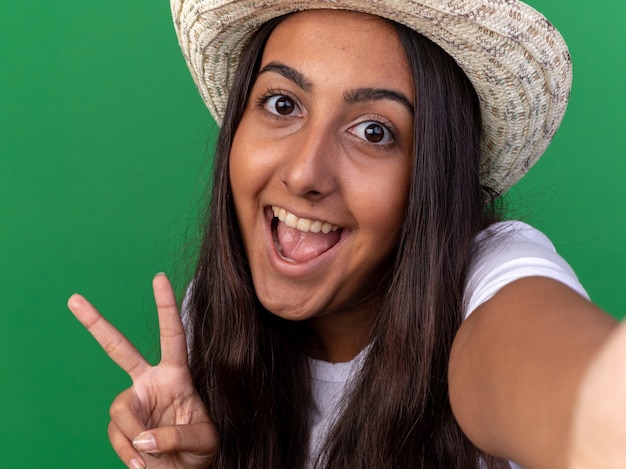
244	163
242	181
252	169
237	160
252	158
384	203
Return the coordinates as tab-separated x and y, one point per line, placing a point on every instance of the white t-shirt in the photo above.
506	252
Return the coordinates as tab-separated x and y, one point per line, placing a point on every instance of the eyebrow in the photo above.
358	95
373	94
289	73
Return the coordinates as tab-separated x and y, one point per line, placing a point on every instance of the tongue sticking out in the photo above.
301	247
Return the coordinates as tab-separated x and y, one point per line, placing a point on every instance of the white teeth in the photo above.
302	224
316	226
291	220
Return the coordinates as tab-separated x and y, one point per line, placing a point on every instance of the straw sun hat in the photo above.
514	57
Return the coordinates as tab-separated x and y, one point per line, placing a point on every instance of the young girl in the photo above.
356	301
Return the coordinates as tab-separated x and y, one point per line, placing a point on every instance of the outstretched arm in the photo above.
160	419
538	375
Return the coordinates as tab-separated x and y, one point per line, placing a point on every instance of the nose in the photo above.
309	167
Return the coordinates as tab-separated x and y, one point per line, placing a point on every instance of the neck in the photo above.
340	336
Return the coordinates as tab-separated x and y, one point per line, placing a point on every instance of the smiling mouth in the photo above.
302	239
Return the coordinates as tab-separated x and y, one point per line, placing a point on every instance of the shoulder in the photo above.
511	237
510	250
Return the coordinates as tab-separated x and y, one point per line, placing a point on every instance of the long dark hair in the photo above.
250	366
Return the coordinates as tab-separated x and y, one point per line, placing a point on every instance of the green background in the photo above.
104	144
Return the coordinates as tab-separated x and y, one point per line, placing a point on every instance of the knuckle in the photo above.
111	431
177	437
171	332
117	409
112	344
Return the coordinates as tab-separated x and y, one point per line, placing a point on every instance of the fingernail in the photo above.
136	464
160	273
145	443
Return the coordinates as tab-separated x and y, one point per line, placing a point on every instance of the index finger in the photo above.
116	346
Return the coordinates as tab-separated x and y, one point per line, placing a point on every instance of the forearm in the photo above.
516	367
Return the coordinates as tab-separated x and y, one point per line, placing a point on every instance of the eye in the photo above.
373	132
280	105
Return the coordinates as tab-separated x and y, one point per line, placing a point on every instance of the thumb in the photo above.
200	439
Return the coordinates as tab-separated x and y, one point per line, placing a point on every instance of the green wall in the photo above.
104	145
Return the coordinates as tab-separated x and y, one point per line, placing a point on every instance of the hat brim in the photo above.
516	60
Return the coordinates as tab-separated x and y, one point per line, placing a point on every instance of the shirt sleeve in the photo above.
510	250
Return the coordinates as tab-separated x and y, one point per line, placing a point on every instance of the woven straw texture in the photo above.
517	61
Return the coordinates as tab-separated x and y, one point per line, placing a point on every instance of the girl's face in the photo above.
321	161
